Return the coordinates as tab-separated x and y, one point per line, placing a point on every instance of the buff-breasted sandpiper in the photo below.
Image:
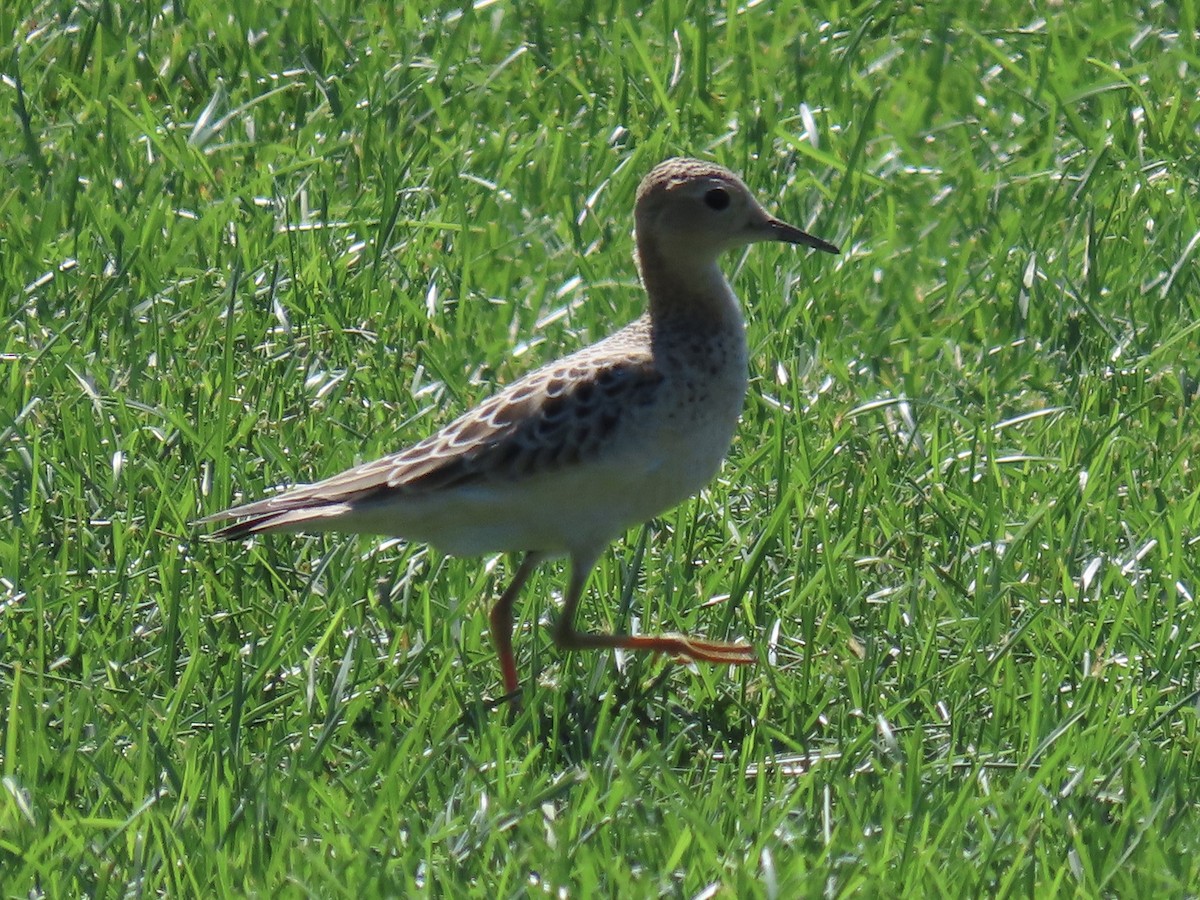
567	458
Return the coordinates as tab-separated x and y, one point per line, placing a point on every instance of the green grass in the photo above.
251	244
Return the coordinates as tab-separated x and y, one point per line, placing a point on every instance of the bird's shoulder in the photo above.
561	414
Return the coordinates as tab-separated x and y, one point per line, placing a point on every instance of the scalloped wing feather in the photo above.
557	416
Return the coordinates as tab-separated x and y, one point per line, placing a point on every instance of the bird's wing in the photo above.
556	416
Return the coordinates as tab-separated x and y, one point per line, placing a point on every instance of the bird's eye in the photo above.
717	198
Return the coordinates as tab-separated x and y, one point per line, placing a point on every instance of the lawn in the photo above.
246	245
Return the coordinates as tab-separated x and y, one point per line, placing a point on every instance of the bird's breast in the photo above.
692	425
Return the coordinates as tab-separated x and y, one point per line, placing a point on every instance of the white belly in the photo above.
650	467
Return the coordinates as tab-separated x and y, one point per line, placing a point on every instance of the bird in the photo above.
564	460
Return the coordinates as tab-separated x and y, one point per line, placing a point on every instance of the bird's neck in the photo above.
688	293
